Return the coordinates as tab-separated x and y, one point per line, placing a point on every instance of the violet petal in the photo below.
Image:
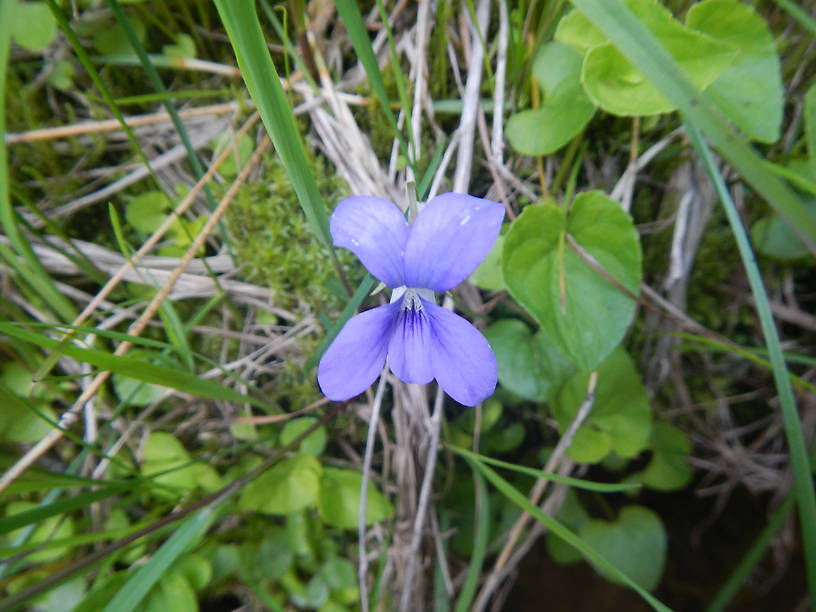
449	239
376	231
409	351
357	355
463	362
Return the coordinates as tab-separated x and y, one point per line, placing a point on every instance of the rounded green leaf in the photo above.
750	90
620	419
635	544
33	26
530	365
339	500
314	443
773	237
590	316
147	211
667	470
619	88
488	275
565	110
289	486
173	592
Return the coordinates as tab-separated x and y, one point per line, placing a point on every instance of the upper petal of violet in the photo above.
462	360
449	239
376	231
357	355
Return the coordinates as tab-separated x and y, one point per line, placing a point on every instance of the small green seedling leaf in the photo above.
289	486
314	443
667	470
33	26
339	500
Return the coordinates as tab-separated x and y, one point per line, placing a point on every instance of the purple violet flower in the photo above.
449	238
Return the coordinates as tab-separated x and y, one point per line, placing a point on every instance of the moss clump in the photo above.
274	244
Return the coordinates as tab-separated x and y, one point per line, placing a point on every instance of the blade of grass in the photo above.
190	531
21	519
179	380
480	537
354	302
35	274
749	354
264	87
601	487
647	54
87	64
803	479
157	84
589	553
798	13
751	558
349	12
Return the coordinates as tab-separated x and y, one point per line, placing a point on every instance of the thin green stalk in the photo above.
34	271
349	12
799	14
803	479
751	558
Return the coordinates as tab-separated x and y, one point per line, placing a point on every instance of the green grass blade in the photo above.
354	302
264	87
349	12
751	558
172	378
647	54
35	273
798	13
480	537
129	597
157	84
589	553
601	487
21	519
803	479
87	64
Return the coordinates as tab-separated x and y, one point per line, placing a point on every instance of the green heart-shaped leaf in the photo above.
529	364
289	486
620	419
582	312
339	500
565	111
635	544
667	470
618	87
750	90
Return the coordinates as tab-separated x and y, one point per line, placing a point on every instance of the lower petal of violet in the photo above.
463	362
409	351
357	355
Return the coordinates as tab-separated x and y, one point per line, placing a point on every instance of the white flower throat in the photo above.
410	297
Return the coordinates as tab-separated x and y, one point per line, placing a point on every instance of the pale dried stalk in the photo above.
69	417
362	562
112	125
493	579
162	229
